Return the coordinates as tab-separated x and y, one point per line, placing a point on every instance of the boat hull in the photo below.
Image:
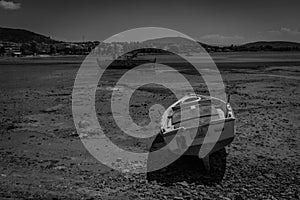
206	138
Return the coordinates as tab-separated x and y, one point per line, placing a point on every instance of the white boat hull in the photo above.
210	144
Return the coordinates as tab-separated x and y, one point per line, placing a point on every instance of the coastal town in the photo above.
26	43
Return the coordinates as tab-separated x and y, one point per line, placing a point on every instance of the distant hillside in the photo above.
169	40
34	43
253	45
23	36
272	44
174	40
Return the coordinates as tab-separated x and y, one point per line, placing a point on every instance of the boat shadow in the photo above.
192	170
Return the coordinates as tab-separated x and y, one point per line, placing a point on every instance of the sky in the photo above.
212	21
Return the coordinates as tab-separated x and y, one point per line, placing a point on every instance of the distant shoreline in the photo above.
222	60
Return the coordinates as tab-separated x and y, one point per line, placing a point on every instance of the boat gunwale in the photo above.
171	132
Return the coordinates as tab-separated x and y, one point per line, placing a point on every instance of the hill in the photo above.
23	36
276	45
253	46
175	40
169	40
178	44
182	44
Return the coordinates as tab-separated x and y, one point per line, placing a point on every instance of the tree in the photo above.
33	48
2	50
53	49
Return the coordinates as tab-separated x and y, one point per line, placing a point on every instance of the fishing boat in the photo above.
207	125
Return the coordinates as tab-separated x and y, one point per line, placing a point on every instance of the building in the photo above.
10	49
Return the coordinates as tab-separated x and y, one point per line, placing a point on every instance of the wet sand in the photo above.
41	157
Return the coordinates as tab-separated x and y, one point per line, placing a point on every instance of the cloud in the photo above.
285	30
284	33
9	5
221	39
289	31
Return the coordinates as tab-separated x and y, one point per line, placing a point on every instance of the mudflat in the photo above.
42	157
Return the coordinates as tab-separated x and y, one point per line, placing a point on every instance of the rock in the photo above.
203	193
239	197
218	186
270	176
62	168
178	198
83	124
53	109
125	170
74	134
183	183
83	135
225	198
260	178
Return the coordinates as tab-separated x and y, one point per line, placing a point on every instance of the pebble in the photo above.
53	109
60	168
83	124
203	193
183	183
225	198
73	134
178	198
270	176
